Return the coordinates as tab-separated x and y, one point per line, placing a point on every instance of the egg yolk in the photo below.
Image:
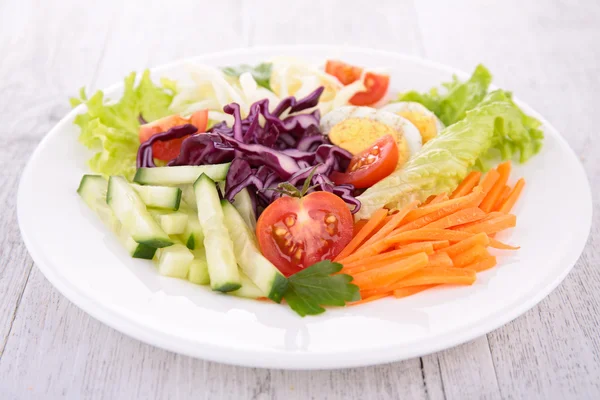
358	134
426	124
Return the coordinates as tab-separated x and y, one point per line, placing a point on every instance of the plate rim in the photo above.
301	360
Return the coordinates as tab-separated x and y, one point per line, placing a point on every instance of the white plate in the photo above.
82	260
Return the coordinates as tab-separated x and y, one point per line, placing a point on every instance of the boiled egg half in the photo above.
426	122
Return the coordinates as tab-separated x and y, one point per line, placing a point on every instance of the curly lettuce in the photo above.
496	125
111	129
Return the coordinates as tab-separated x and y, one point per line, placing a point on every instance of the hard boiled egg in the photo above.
426	122
358	128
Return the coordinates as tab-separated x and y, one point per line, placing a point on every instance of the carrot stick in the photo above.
377	217
369	299
410	290
435	275
391	256
391	273
440	260
480	239
424	215
467	184
490	199
437	244
489	217
483	264
425	235
428	200
493	225
393	222
439	198
358	226
489	180
513	197
460	217
496	244
470	256
502	198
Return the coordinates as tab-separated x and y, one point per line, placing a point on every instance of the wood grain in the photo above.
546	51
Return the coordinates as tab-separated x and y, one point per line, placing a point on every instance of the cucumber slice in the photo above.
173	223
174	261
180	175
131	212
188	195
248	289
260	270
243	203
164	197
192	235
222	267
92	190
199	268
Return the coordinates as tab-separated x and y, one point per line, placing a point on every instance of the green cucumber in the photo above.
222	266
92	190
174	261
179	175
192	235
243	203
163	197
260	270
248	289
173	223
199	268
131	211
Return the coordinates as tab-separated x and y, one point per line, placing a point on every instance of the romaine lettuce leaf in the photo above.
111	129
444	161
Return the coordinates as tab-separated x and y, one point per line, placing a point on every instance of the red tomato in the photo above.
295	233
371	165
167	151
376	84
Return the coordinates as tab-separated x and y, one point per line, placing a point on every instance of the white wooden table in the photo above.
547	51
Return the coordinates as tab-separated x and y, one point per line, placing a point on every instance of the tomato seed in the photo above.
280	231
289	221
330	219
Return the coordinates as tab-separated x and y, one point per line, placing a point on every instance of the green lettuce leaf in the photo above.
457	98
111	128
496	124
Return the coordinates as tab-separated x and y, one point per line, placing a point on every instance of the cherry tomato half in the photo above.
167	151
376	84
371	165
295	233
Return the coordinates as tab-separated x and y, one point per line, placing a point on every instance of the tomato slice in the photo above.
371	165
376	84
295	233
168	150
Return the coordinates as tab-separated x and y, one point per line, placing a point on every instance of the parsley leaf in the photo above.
261	73
316	286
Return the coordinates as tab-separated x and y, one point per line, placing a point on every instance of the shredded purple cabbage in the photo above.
263	156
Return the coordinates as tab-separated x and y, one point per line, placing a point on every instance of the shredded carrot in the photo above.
490	199
467	184
393	222
358	226
469	256
483	264
513	197
410	290
439	198
436	275
437	244
488	181
440	260
494	225
424	234
391	273
502	198
480	239
428	200
377	217
460	217
424	215
391	256
496	244
369	299
488	217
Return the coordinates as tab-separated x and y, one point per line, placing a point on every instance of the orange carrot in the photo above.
469	256
483	264
467	184
391	256
428	200
377	217
502	198
493	225
369	299
424	215
440	260
513	196
460	217
391	273
424	234
393	222
489	217
479	239
488	181
435	275
490	199
358	226
496	244
439	198
437	244
410	290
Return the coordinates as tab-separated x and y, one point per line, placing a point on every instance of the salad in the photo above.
307	185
